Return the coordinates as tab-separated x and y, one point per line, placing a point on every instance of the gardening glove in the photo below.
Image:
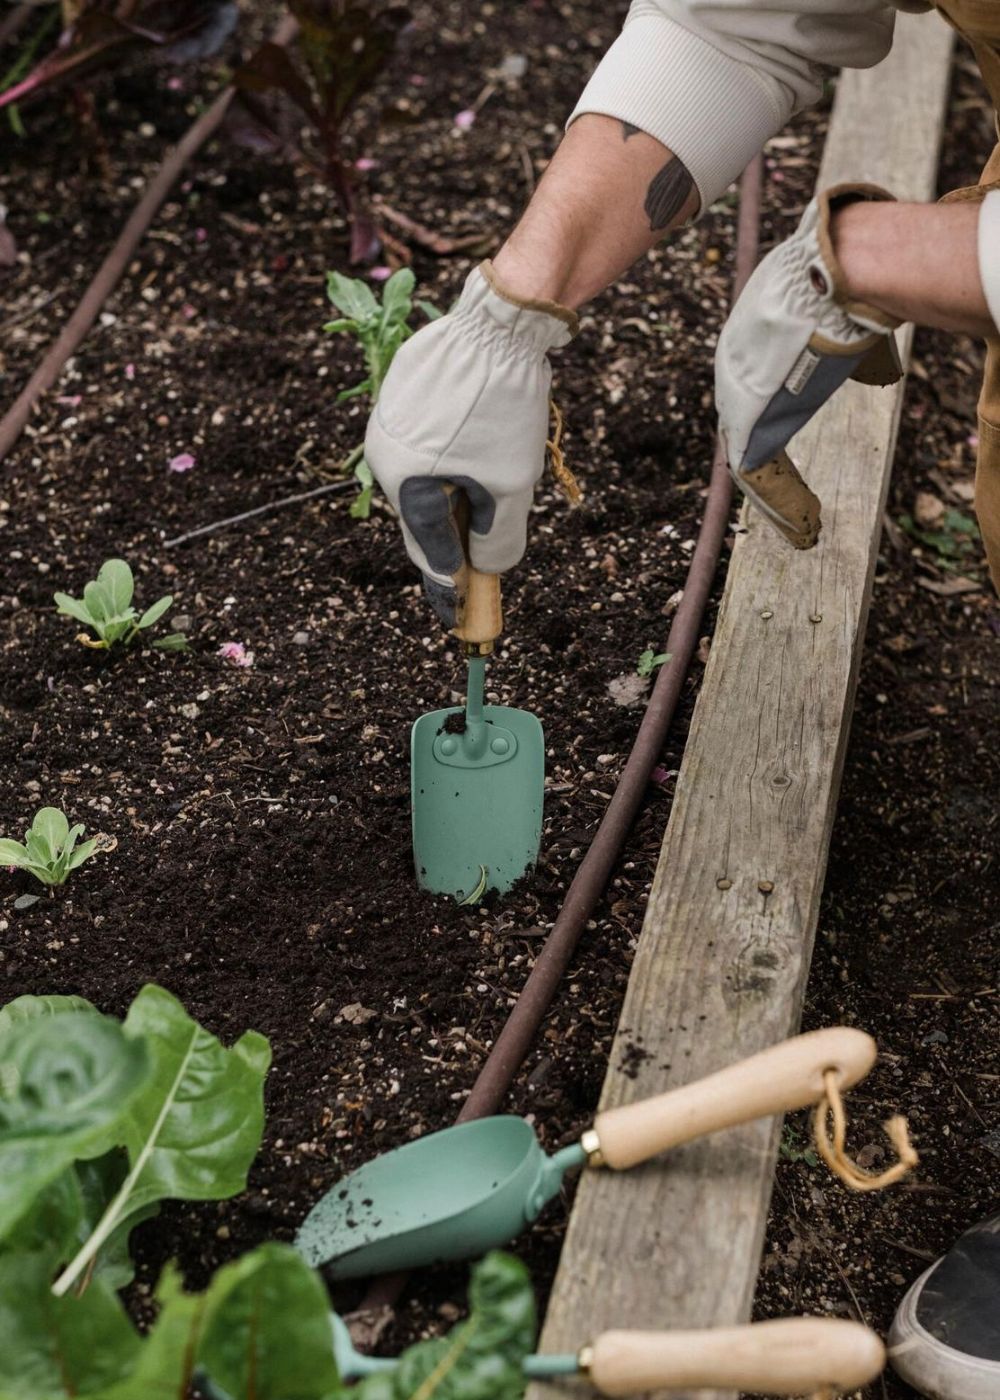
466	403
793	337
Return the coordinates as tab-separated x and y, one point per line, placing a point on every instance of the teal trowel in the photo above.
477	773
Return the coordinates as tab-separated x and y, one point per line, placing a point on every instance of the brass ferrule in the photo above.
478	648
591	1144
585	1360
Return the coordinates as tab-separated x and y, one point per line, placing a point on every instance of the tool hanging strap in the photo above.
832	1149
565	479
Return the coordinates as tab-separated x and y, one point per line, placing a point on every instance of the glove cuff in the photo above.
524	325
830	201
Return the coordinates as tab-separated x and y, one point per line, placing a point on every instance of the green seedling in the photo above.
790	1148
106	608
953	539
650	660
379	328
50	849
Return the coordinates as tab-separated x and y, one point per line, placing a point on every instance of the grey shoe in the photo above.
945	1338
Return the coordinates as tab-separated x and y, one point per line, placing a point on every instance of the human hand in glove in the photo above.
793	337
466	404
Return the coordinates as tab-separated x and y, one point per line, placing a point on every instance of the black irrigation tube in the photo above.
588	884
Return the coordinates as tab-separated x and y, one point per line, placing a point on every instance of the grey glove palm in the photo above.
466	403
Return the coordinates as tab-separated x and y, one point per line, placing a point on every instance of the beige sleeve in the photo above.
714	81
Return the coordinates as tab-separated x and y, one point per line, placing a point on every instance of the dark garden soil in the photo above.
262	871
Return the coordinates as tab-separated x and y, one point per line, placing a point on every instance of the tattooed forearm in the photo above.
667	194
629	130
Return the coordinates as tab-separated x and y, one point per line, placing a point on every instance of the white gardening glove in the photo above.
466	402
793	337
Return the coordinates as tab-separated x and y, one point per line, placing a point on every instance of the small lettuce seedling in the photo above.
106	607
50	851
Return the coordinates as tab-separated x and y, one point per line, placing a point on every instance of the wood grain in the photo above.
725	948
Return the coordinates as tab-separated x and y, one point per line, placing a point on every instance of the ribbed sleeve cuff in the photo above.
711	110
989	253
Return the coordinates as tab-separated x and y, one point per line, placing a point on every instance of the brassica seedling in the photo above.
380	329
649	660
50	851
106	607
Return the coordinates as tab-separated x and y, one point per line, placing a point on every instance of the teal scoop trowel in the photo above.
477	773
457	1193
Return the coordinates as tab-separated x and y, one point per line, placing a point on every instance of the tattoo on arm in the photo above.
667	194
629	130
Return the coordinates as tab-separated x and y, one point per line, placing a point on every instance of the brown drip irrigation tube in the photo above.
109	274
522	1025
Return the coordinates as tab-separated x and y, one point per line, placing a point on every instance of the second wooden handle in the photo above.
785	1077
789	1356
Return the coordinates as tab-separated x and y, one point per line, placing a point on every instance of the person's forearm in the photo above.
919	262
610	193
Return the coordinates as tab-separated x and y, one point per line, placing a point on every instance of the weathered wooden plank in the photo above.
724	953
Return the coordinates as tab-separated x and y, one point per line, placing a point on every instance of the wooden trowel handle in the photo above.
785	1077
789	1356
479	612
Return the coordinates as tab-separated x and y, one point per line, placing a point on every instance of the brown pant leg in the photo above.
987	501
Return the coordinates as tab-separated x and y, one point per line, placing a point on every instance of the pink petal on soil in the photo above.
366	163
70	400
183	462
662	775
463	120
188	311
237	653
200	235
417	80
130	371
175	84
973	440
379	274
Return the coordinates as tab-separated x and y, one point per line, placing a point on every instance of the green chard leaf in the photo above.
51	1347
164	1366
67	1078
194	1132
29	1008
482	1359
266	1328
